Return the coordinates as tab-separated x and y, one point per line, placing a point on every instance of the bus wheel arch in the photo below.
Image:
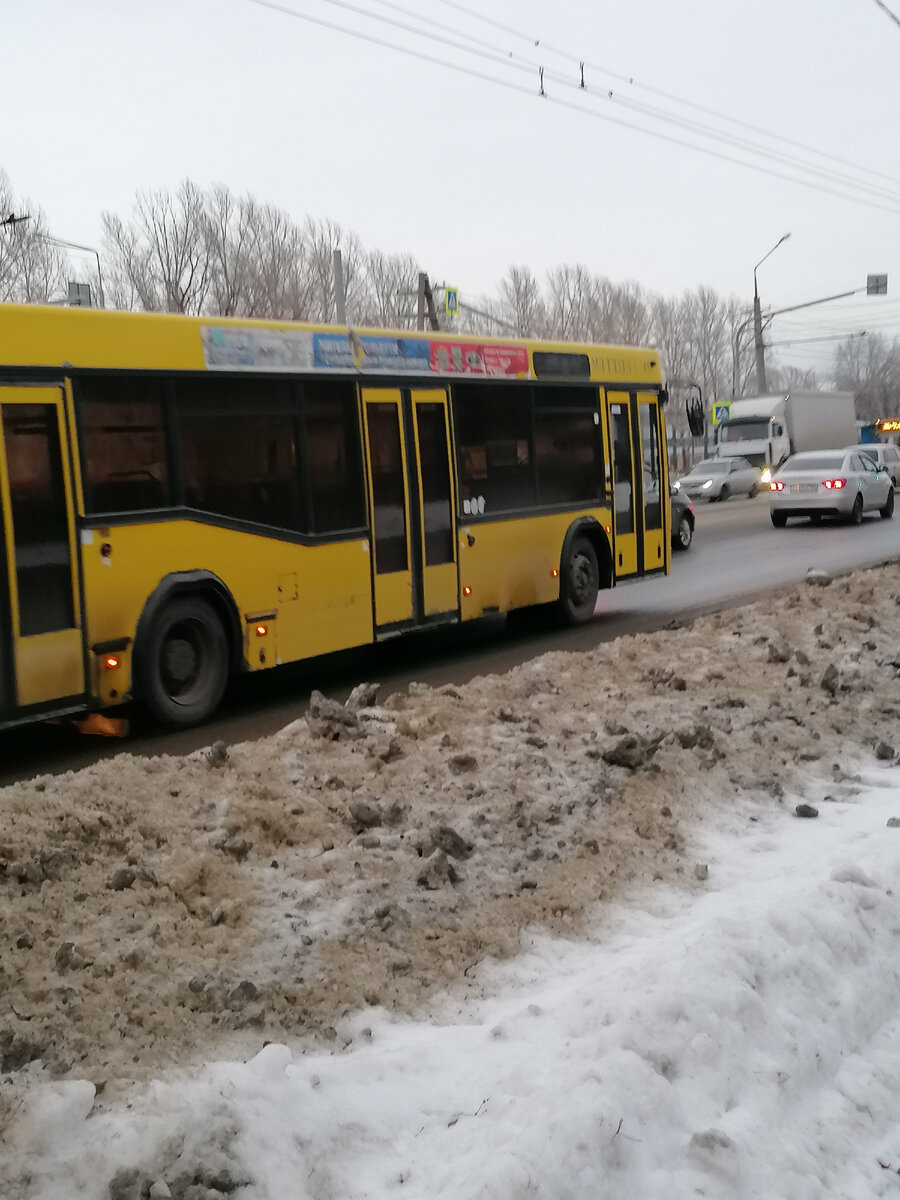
585	568
187	646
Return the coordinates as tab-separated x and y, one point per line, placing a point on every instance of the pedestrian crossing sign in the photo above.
721	412
451	301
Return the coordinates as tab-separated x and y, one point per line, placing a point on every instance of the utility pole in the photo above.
340	299
425	301
761	387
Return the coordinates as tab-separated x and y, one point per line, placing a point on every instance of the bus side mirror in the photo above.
695	418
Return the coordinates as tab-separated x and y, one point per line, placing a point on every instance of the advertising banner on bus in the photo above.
231	348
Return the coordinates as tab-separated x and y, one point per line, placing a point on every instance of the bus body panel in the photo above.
515	563
319	596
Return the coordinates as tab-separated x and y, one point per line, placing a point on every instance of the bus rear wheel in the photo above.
580	583
185	670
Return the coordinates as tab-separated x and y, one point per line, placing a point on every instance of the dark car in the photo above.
682	520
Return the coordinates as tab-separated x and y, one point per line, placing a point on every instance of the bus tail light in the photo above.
111	661
555	573
467	591
262	630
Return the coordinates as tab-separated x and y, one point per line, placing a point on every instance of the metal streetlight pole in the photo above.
13	220
757	323
55	241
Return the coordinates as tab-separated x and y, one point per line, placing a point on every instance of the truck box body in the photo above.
768	429
820	420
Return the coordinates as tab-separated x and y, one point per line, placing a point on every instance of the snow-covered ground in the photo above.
559	933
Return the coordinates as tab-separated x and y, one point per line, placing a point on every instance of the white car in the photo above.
885	455
835	483
719	478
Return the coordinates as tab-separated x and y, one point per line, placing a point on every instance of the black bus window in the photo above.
238	450
123	444
335	477
493	433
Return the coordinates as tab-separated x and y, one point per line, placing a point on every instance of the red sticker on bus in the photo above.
457	358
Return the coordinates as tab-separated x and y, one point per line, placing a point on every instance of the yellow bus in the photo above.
184	499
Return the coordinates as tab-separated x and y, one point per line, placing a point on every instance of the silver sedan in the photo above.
719	478
836	483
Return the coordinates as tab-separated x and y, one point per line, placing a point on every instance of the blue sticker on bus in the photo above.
337	351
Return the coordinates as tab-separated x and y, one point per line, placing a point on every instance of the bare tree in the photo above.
570	300
281	280
130	283
788	376
870	367
321	239
32	269
387	296
521	296
162	258
231	227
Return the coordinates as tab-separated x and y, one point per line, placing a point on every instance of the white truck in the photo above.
767	429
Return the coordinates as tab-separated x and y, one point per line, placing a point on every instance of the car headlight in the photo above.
707	484
677	485
766	476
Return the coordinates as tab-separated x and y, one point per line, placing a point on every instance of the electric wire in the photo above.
671	96
528	91
884	8
532	68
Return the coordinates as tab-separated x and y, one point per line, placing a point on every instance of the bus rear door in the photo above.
625	512
655	482
412	506
639	483
41	646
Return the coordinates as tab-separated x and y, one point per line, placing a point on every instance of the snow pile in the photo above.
639	972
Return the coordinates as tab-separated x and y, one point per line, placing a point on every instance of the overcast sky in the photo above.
472	174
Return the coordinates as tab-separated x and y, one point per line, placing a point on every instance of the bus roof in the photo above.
47	336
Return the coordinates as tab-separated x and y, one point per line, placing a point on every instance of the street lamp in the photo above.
55	241
12	220
757	323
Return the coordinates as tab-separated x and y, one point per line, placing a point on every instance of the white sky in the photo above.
739	1044
104	98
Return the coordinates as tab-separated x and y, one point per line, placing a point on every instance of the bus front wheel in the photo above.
185	663
580	583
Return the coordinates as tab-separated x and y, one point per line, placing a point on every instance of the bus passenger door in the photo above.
412	506
625	511
434	486
654	483
388	506
41	651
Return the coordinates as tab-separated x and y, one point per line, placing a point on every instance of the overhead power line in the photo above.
893	205
534	69
631	81
884	8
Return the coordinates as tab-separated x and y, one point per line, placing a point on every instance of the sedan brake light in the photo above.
834	484
776	486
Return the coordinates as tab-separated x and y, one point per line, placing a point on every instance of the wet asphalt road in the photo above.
736	556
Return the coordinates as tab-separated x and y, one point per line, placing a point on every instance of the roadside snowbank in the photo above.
618	825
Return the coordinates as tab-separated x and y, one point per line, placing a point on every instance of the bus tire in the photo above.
185	663
579	582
